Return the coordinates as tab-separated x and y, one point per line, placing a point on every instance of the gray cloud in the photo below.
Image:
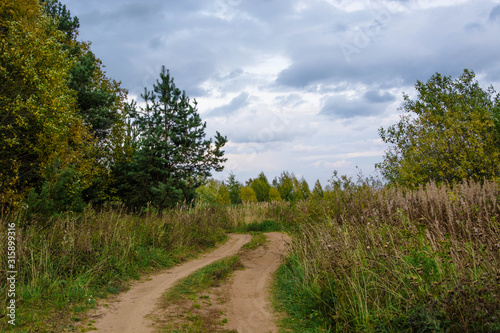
495	13
338	107
325	51
236	104
291	100
376	96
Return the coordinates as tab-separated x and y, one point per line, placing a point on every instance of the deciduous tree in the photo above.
39	121
448	134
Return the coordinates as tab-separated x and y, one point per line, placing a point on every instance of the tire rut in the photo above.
127	314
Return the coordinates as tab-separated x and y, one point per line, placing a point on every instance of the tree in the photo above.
223	197
39	122
248	194
304	188
451	132
274	195
260	186
213	192
284	185
207	193
100	100
173	156
234	188
317	191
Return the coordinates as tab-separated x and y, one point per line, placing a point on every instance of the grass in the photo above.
363	258
206	277
66	264
193	306
194	299
392	260
257	240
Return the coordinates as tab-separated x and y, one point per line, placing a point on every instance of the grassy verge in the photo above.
65	265
368	260
194	304
257	240
191	306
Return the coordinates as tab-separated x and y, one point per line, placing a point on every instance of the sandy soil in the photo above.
249	309
128	312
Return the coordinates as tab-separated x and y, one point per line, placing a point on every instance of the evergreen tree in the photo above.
234	188
317	191
173	155
284	185
304	188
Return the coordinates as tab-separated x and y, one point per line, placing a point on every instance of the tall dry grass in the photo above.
65	264
390	259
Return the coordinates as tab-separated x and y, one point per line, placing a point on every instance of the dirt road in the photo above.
248	308
128	313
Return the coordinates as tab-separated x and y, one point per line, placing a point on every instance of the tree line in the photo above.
286	187
69	138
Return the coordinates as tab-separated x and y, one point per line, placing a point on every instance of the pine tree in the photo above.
173	155
234	188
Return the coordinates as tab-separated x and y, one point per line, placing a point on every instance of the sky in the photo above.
296	85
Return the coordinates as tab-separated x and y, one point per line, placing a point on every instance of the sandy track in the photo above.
128	313
249	309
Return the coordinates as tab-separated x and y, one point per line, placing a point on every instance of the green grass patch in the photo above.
206	277
300	297
258	239
264	226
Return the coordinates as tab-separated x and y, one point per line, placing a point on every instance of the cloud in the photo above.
236	104
344	108
495	14
376	96
290	100
274	74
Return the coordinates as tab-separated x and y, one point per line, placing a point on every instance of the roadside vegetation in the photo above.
99	191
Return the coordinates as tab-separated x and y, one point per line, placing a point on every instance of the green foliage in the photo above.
223	195
448	134
60	192
317	191
264	226
64	21
207	193
39	117
66	266
204	278
300	297
247	194
172	154
213	192
260	186
401	260
284	185
274	195
234	188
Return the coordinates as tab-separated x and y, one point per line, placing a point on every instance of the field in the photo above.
363	258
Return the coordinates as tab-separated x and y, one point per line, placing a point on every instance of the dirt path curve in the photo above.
128	313
249	308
